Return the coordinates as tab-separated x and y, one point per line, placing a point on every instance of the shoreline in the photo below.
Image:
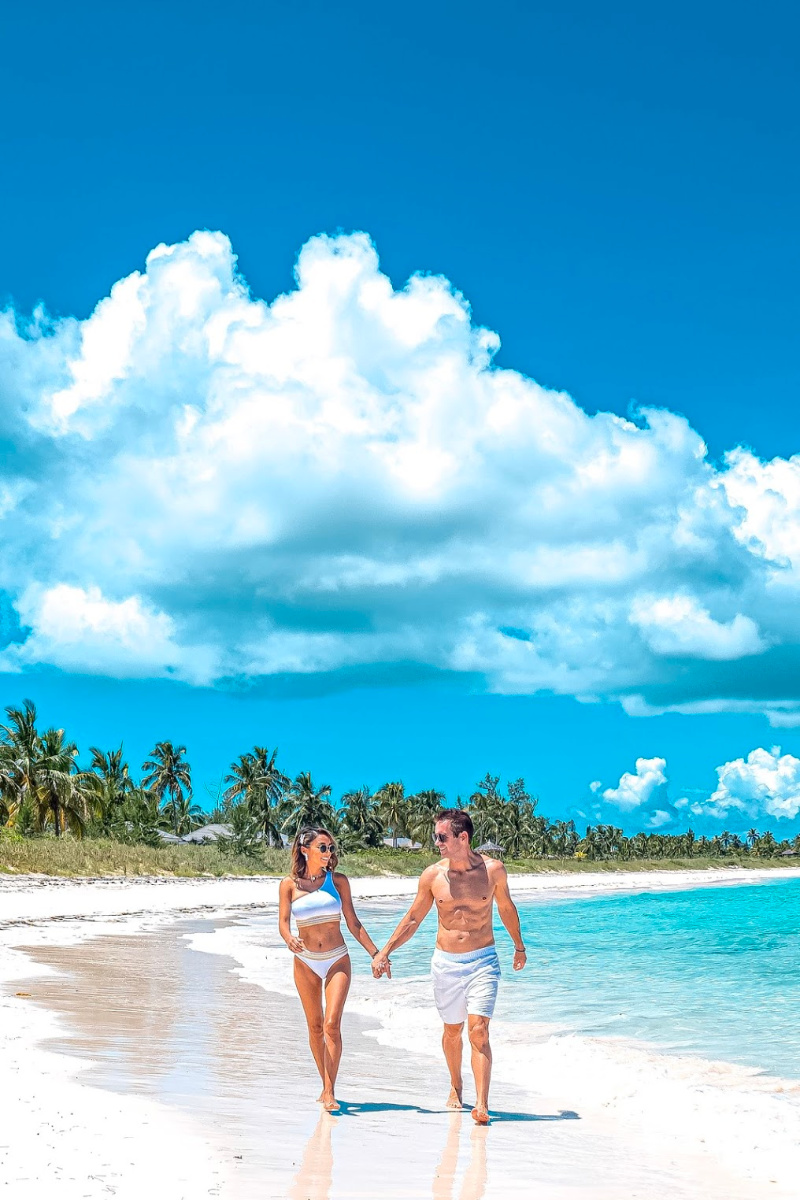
27	898
244	1085
67	1134
736	1117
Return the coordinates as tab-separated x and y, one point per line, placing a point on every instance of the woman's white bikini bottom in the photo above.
321	963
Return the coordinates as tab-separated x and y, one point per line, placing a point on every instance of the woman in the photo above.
317	895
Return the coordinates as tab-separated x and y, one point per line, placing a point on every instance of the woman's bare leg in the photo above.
313	1180
309	988
337	985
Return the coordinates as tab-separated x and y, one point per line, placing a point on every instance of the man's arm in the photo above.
409	924
507	911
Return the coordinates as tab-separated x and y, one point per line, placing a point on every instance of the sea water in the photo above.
667	1012
712	972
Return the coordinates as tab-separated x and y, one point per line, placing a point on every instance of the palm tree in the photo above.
23	743
170	777
109	778
486	803
60	791
564	838
423	809
39	772
540	840
767	843
255	780
309	805
518	828
360	817
137	818
393	808
185	814
8	786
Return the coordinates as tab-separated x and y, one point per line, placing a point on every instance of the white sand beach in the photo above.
151	1043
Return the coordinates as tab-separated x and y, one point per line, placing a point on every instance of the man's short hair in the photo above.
460	821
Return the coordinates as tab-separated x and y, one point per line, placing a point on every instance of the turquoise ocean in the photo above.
712	972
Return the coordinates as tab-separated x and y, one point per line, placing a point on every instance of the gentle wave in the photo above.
744	1118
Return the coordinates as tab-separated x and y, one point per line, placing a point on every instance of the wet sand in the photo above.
156	1018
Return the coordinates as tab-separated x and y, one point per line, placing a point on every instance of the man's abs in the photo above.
463	902
464	927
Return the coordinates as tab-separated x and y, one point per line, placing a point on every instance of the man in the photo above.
465	967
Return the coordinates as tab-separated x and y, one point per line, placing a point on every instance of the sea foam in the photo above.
732	1113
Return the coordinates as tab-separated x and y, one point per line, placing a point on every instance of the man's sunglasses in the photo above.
441	837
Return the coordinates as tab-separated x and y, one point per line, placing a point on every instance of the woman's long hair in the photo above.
305	837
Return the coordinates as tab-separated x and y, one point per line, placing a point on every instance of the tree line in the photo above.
43	790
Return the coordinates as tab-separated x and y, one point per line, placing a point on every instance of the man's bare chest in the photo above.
451	894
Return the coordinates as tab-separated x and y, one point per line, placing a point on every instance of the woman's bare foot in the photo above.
454	1099
480	1116
330	1103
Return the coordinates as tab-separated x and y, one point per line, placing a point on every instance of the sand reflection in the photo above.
473	1185
313	1180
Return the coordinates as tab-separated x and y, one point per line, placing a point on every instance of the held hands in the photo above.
295	944
381	966
520	959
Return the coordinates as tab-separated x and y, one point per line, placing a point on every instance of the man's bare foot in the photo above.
454	1099
480	1116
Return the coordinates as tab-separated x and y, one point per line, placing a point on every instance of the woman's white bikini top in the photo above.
324	904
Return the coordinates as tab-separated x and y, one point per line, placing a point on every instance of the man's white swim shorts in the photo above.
465	984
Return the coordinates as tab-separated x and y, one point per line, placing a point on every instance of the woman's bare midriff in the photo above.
319	938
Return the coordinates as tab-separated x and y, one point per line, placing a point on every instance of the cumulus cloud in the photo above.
678	626
765	784
207	485
79	630
638	801
640	789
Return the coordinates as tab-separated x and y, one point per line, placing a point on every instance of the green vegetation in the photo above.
60	819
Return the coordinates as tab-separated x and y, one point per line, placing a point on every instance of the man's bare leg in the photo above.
442	1188
481	1066
451	1044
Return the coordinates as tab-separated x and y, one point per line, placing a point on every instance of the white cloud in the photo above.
679	626
81	630
640	790
340	480
765	784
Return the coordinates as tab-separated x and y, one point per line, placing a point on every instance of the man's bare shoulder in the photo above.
495	868
431	874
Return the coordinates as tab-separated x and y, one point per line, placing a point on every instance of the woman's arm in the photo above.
285	917
409	924
353	924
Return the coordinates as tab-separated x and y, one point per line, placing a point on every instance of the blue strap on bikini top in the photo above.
324	904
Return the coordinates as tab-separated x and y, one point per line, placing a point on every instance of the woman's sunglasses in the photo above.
324	848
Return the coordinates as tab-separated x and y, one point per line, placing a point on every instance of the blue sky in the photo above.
613	192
